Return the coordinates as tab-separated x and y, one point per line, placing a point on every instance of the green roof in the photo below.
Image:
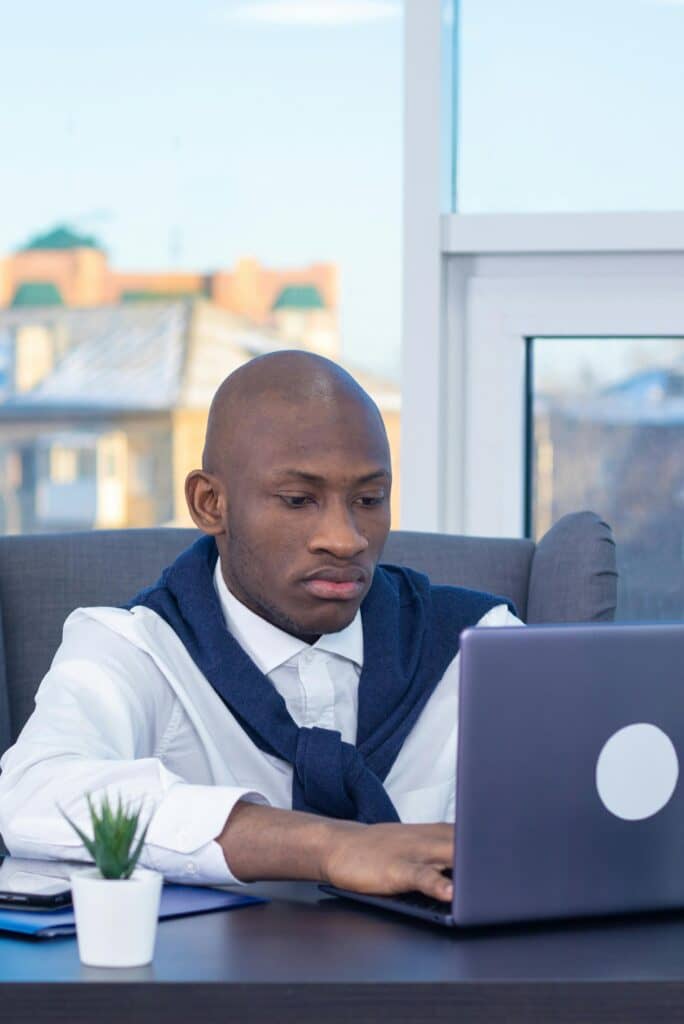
299	296
62	237
37	293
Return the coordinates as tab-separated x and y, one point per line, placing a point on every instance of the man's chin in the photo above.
332	618
310	623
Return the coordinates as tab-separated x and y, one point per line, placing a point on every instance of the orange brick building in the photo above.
68	269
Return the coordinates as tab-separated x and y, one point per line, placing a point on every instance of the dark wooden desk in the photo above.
309	958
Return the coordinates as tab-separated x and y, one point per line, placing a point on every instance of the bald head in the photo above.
295	487
274	388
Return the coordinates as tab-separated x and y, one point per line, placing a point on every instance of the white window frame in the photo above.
473	291
422	422
515	297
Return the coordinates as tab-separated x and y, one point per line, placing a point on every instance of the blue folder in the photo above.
176	901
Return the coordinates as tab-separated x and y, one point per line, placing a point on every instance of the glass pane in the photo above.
191	184
607	425
570	105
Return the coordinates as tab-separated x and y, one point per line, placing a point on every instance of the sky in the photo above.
190	133
570	105
575	366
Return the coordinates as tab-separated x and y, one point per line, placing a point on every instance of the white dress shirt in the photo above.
125	710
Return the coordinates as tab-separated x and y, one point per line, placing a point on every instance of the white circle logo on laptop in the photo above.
637	771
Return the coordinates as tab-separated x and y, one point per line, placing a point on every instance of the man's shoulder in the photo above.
124	642
115	626
109	617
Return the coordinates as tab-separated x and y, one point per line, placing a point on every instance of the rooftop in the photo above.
115	358
299	296
651	398
138	357
61	237
37	293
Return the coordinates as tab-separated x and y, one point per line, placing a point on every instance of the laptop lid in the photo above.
569	800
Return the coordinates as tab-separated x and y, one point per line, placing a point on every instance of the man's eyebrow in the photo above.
315	478
378	474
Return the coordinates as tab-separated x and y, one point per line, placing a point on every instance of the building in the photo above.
64	268
103	409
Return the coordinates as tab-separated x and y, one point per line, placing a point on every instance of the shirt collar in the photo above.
268	646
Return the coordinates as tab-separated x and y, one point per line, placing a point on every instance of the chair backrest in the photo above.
43	578
496	565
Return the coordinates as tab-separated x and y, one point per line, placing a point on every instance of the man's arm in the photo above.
104	716
266	842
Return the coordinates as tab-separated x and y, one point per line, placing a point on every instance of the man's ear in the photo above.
206	501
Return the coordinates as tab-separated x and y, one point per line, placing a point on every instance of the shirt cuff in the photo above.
180	841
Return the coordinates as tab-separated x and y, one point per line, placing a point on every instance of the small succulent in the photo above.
113	834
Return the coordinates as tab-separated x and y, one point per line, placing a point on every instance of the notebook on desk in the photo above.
176	901
568	797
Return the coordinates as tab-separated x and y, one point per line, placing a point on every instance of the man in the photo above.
284	708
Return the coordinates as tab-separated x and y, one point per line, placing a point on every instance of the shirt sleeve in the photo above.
500	615
103	716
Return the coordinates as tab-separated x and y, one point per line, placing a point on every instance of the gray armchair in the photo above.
569	576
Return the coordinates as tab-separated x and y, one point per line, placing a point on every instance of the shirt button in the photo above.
191	868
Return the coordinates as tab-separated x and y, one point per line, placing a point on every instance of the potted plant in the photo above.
115	903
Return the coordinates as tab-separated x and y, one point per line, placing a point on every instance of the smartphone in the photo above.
33	885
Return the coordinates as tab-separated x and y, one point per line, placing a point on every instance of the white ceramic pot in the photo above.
116	919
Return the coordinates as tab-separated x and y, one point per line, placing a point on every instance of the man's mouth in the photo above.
336	584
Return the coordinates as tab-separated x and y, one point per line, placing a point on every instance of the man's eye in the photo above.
295	500
368	500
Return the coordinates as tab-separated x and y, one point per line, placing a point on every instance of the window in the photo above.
63	465
569	106
607	433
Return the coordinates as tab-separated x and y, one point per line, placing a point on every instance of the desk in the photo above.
307	958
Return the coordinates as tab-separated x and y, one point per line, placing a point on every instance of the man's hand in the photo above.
390	859
265	842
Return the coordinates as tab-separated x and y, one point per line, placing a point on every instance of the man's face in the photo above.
308	513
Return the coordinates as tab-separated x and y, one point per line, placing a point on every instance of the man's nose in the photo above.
337	532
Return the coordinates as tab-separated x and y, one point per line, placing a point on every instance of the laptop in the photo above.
568	796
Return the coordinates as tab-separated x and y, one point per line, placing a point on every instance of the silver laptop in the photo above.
568	798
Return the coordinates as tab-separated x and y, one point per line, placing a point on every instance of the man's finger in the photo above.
432	882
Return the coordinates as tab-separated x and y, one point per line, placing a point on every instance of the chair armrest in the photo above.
573	577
